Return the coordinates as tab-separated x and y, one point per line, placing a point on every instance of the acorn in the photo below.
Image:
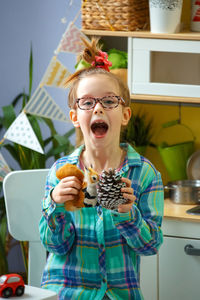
109	189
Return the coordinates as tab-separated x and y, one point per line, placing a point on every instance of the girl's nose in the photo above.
98	109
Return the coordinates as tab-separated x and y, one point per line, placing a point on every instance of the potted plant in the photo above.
139	132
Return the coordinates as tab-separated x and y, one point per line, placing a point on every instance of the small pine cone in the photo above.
109	189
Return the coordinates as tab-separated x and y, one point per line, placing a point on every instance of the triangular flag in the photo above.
4	168
71	40
55	73
42	104
21	132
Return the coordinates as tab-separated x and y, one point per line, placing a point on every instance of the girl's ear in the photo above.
73	118
126	115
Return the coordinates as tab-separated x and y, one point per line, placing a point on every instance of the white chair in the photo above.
23	193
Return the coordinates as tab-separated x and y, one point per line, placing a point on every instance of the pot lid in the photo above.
193	166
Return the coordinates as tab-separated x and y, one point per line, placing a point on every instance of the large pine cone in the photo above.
109	189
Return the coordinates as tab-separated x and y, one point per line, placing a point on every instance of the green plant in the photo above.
26	158
139	131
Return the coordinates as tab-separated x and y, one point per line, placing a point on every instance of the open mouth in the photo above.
99	128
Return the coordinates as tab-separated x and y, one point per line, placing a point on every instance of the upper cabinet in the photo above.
161	67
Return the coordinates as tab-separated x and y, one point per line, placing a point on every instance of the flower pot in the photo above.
165	15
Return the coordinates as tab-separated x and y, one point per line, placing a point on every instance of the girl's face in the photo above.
100	127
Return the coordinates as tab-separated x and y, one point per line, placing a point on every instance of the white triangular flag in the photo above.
55	73
21	132
71	40
42	104
4	168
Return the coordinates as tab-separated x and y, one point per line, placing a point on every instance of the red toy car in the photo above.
10	285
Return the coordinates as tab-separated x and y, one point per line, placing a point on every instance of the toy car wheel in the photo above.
19	291
7	293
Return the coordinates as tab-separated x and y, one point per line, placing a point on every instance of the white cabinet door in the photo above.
149	277
179	273
164	67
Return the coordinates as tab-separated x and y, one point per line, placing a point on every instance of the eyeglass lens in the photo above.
106	102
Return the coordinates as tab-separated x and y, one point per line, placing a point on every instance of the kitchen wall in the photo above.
190	116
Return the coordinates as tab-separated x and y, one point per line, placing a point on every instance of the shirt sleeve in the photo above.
141	227
56	226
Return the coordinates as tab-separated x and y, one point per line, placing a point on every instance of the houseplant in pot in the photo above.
139	132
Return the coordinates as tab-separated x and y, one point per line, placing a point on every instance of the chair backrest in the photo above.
23	193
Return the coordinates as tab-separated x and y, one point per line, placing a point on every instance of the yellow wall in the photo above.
190	116
186	12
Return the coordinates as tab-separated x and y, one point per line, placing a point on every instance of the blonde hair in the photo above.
89	54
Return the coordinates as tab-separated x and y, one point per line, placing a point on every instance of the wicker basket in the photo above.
120	15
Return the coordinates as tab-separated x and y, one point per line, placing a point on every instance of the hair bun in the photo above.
92	49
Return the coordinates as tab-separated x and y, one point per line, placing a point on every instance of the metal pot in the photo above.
184	191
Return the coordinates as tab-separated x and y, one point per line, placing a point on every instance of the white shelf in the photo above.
185	35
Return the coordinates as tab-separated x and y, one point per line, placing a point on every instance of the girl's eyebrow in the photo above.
105	94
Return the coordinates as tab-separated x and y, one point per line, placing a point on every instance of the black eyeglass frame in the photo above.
96	100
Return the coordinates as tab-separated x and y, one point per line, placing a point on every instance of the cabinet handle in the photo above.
190	250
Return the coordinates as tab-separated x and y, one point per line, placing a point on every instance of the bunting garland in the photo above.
71	40
4	168
56	72
21	132
42	104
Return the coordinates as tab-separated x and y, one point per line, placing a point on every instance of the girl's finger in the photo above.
71	183
127	181
127	190
122	208
130	197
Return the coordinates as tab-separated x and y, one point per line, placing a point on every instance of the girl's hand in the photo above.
66	189
127	194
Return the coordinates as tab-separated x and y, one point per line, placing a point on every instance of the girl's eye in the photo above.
87	102
109	100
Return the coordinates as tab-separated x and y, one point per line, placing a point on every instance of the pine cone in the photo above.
109	189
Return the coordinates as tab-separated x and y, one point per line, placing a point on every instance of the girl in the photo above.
95	252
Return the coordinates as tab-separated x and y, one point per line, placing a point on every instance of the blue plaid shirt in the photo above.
95	251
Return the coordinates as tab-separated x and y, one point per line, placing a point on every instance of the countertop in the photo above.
178	212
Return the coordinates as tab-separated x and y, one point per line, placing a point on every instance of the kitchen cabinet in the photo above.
178	272
161	67
172	273
149	277
164	67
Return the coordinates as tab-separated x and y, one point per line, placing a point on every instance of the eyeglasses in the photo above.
108	102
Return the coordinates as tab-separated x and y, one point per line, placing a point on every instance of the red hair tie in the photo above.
101	61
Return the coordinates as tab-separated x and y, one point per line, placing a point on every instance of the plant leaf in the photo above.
30	72
9	115
16	99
